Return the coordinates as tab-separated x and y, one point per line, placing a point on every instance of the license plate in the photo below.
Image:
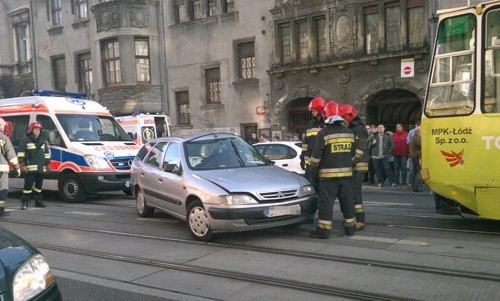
283	210
127	184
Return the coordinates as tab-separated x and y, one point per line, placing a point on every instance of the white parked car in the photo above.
285	154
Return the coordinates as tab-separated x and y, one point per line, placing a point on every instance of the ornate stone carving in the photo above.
139	17
344	78
344	29
278	85
422	66
108	18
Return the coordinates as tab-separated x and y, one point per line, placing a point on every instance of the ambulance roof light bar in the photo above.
40	92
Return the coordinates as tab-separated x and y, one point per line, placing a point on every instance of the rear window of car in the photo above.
144	150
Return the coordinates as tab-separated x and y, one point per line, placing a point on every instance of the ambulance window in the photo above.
50	132
16	128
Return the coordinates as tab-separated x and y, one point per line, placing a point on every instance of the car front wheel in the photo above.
143	210
198	223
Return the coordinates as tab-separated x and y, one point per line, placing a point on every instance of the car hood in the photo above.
253	179
14	251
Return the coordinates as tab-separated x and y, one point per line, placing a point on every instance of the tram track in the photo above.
291	253
233	275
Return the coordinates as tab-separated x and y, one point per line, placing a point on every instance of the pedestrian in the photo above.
372	131
411	172
360	162
313	127
276	138
331	171
263	138
416	155
296	137
254	139
7	154
400	153
34	157
381	148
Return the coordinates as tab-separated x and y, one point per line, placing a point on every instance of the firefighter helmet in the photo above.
317	103
331	112
348	112
34	124
2	124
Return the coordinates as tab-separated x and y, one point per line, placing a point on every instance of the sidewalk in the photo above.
400	189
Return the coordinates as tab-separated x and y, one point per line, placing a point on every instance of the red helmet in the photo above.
331	109
317	103
34	124
348	112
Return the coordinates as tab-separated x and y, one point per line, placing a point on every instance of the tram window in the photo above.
491	70
451	90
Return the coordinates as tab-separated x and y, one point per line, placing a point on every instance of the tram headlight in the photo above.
32	278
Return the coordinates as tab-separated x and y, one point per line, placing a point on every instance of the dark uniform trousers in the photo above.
357	183
329	189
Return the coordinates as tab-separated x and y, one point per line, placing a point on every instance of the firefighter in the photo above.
34	156
360	160
331	170
7	154
313	127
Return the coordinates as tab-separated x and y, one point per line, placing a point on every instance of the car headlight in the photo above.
32	278
237	199
96	162
306	191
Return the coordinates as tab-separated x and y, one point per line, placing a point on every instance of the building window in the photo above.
416	23
212	81
246	58
82	9
22	31
142	61
182	100
84	73
59	72
319	27
227	6
393	26
371	29
195	11
112	62
285	43
56	12
180	11
303	38
212	8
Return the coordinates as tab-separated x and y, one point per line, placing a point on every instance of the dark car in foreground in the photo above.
218	183
24	273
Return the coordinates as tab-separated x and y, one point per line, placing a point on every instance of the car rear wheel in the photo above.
198	223
143	210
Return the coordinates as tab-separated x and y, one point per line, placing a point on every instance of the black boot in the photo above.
320	233
2	209
350	228
38	201
25	202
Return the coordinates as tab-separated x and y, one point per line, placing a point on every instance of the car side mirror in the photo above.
173	168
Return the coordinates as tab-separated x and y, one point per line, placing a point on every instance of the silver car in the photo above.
218	183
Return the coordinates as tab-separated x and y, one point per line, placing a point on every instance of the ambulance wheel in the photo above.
71	188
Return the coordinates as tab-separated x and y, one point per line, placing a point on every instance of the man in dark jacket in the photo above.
382	145
331	170
313	127
34	156
360	162
7	154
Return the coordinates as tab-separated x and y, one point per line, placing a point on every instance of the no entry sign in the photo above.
407	67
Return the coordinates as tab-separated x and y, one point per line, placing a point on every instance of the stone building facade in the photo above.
225	65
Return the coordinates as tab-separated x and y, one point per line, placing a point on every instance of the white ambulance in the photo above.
144	127
90	151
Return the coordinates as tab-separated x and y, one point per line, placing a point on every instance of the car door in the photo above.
151	175
172	193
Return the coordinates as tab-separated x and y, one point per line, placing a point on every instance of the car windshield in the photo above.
221	153
80	127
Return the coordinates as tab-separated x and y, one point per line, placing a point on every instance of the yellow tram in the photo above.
461	114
